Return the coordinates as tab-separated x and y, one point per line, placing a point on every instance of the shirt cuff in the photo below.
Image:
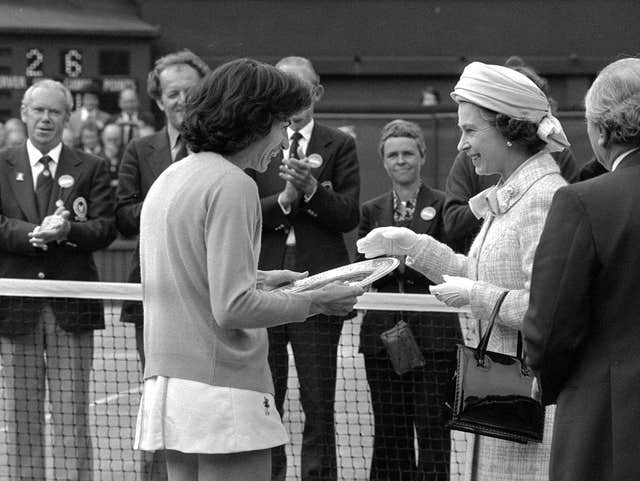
285	210
307	197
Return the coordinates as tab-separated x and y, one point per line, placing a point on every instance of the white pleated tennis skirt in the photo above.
194	417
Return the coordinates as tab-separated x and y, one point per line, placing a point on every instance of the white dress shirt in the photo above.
34	160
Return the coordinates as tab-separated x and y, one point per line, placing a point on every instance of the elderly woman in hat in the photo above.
506	128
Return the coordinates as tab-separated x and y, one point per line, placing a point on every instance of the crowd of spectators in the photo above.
484	230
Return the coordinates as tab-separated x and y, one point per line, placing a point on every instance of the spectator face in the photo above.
481	141
90	101
302	118
128	101
15	138
45	115
402	160
67	137
111	139
175	83
14	124
89	139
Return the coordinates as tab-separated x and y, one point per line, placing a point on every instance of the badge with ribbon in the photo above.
80	209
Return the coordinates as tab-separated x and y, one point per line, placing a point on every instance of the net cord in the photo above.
381	301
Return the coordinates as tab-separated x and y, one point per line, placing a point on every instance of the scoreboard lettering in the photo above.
35	63
71	63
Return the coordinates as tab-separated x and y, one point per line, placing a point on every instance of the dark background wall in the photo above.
380	54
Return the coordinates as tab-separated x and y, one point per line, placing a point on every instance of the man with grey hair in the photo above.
306	209
143	161
56	209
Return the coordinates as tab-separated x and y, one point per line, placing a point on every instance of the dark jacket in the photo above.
143	161
434	331
582	329
70	260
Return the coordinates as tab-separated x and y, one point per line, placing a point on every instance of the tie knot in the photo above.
296	136
45	161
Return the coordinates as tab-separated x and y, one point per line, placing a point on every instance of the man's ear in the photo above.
160	106
604	137
318	92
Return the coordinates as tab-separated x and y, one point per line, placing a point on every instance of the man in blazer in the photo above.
56	209
415	399
143	161
305	212
146	158
582	328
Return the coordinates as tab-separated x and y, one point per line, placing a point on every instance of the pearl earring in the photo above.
509	144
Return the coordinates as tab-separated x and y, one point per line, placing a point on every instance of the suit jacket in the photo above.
582	329
143	161
142	117
71	260
320	223
433	331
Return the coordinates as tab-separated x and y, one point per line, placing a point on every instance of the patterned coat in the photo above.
501	257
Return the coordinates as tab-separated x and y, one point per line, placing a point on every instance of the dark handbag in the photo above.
495	394
402	348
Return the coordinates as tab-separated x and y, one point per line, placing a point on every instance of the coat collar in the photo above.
420	222
319	143
499	198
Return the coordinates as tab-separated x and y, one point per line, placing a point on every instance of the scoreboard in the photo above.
111	64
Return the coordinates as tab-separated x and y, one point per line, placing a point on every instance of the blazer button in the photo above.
41	275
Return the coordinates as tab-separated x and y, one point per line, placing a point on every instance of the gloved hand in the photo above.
387	240
454	291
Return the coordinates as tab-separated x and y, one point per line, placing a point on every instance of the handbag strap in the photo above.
484	341
520	345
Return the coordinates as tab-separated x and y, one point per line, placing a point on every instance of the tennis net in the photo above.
114	387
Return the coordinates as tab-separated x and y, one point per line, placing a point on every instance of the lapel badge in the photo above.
315	161
80	209
20	176
327	184
427	213
66	181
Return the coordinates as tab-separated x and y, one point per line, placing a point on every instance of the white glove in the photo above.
454	291
387	240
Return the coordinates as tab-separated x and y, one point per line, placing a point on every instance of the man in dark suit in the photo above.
56	209
582	328
146	158
143	161
413	401
305	212
130	118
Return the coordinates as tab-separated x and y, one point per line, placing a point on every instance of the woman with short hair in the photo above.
208	393
506	128
408	407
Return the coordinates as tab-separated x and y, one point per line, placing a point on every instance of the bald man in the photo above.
305	213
